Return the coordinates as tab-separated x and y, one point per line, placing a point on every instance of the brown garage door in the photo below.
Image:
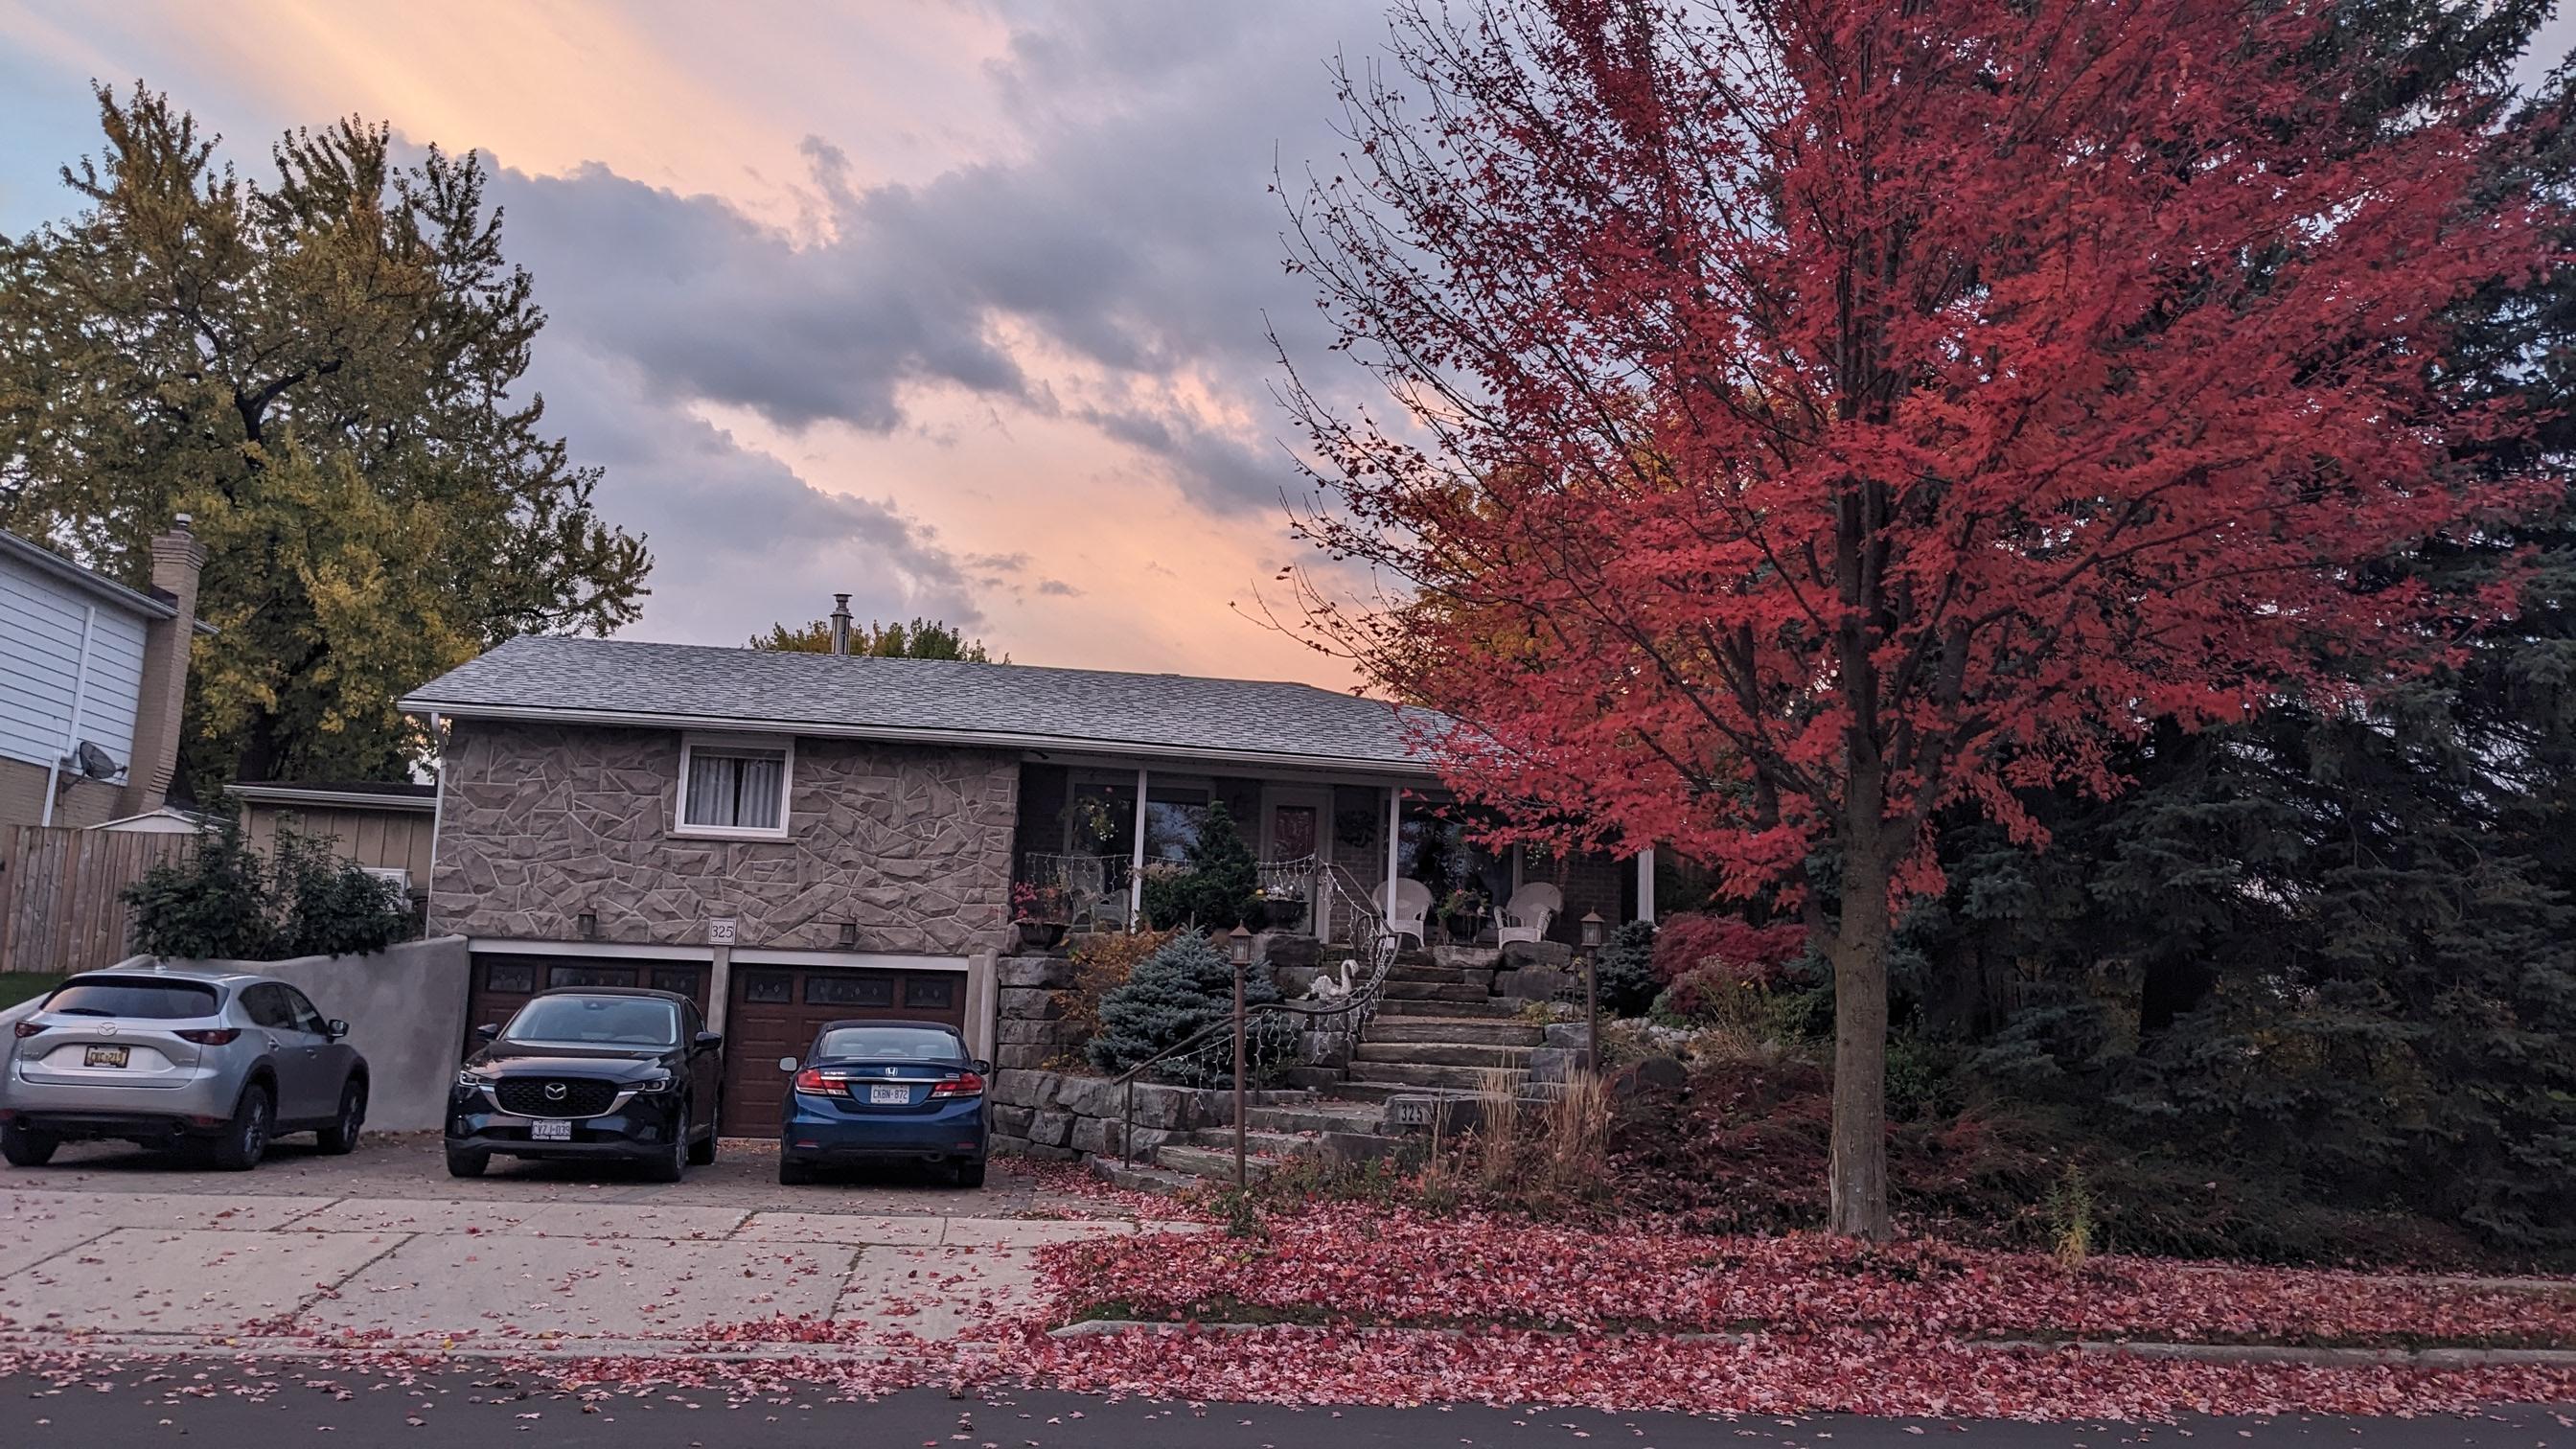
777	1010
502	983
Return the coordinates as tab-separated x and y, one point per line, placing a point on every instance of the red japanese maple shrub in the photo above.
1737	947
1817	413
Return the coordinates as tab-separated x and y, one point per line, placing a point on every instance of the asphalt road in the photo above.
222	1406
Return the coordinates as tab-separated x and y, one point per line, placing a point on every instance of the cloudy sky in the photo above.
956	305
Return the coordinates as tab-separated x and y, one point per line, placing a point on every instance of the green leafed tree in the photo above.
920	639
323	369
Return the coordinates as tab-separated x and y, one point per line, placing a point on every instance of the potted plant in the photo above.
1462	914
1039	912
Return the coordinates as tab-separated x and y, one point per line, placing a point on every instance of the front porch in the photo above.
1330	850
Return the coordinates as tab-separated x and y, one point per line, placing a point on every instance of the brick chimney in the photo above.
177	561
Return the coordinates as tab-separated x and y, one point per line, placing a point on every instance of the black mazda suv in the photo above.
591	1073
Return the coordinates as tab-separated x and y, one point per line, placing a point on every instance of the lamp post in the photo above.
1239	946
1592	925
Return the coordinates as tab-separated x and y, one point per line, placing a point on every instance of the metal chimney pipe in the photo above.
840	623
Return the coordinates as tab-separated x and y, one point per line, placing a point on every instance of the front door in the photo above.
1293	821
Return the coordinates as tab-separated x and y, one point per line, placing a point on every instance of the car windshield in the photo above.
131	997
597	1021
888	1043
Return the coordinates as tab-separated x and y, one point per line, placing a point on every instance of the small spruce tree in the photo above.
1171	996
1217	894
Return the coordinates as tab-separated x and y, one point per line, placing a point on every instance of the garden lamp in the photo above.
1591	924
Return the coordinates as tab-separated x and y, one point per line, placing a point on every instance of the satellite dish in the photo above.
97	763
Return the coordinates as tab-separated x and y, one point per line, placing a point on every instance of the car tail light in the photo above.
210	1036
29	1028
810	1080
964	1084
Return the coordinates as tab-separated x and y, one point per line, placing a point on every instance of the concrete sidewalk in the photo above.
143	1267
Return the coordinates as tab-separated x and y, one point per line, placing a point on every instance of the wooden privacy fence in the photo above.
59	911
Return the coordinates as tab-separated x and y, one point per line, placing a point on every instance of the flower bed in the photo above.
1404	1268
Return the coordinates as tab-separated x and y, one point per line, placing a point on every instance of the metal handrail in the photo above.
1362	998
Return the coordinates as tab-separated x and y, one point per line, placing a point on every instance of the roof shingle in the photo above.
861	695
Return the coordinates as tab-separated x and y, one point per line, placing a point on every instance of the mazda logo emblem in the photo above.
554	1091
108	1030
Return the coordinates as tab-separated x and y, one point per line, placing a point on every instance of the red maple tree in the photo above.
1819	412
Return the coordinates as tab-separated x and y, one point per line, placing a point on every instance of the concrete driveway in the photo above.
117	1247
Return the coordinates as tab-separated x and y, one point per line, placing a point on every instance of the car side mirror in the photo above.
983	1068
335	1028
787	1064
709	1040
487	1034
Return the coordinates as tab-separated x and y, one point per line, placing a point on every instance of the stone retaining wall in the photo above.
1060	1115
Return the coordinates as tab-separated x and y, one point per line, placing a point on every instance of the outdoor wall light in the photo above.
588	923
849	933
1591	924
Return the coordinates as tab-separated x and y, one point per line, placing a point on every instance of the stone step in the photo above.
1210	1163
1140	1177
1457	1029
1419	1074
1323	1116
1258	1142
1441	1054
1482	1008
1451	990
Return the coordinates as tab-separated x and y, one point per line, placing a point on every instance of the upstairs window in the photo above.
733	789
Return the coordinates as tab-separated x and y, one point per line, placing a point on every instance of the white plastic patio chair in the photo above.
1528	914
1406	917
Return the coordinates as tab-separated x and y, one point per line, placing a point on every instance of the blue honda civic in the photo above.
884	1091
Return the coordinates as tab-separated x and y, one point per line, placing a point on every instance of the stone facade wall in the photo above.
1063	1116
540	823
1028	1027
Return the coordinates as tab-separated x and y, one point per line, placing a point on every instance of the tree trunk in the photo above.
1858	1170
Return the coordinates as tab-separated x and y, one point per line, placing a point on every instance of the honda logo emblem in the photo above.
554	1091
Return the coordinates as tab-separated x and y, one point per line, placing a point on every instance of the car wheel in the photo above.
26	1147
245	1139
672	1162
467	1164
341	1137
794	1172
970	1174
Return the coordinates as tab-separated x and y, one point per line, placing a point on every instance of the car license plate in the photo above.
889	1096
105	1056
542	1131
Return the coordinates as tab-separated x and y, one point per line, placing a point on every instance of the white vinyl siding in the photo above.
40	649
733	788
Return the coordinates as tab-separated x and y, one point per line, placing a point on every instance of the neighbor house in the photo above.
792	837
383	825
92	677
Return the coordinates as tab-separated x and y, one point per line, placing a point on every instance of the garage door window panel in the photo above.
734	790
823	990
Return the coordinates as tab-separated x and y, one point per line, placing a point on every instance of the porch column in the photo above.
1646	884
1136	862
1394	842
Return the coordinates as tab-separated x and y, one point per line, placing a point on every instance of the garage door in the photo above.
777	1009
502	983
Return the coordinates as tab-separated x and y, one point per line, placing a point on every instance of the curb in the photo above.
189	1345
2219	1353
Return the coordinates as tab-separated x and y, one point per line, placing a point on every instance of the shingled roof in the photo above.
615	681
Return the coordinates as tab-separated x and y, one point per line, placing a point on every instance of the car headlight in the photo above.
471	1079
658	1082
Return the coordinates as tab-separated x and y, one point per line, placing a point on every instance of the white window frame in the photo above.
690	744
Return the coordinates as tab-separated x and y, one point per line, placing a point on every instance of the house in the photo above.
384	826
92	677
794	837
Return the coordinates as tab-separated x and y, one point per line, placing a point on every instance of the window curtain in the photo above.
735	792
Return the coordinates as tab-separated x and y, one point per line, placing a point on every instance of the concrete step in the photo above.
1210	1163
1441	1053
1457	1029
1141	1177
1419	1074
1452	1008
1324	1116
1451	990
